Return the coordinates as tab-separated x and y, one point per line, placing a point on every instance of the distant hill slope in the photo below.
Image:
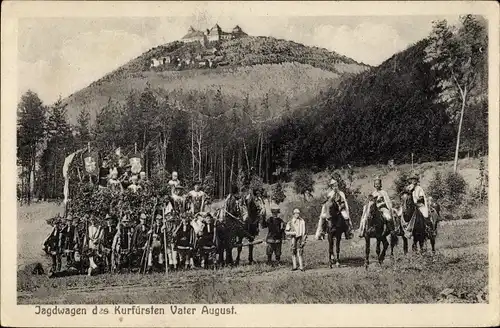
290	72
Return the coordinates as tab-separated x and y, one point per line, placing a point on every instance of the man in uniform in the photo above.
169	229
384	205
122	242
185	237
196	199
93	233
205	237
156	256
275	234
296	230
107	235
70	238
139	238
53	245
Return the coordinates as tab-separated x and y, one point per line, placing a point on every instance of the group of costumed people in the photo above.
173	231
182	232
383	203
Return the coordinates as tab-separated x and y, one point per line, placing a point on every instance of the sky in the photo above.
58	56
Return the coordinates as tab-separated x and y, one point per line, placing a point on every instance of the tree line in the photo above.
406	106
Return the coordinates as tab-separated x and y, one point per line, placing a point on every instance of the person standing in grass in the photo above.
296	230
275	233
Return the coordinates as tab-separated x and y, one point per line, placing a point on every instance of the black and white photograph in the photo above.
221	156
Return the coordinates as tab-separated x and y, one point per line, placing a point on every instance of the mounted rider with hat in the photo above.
338	197
384	205
418	195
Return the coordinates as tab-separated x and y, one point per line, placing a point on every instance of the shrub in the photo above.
450	191
401	181
278	194
303	182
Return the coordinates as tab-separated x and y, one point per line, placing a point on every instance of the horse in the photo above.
335	227
235	223
413	224
377	227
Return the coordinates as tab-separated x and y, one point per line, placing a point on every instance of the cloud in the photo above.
371	43
80	61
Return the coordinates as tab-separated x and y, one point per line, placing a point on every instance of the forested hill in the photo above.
387	112
285	72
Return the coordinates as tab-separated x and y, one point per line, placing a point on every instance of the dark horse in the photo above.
377	227
335	227
412	221
232	229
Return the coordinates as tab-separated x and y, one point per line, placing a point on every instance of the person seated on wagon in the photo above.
113	183
196	199
134	184
174	182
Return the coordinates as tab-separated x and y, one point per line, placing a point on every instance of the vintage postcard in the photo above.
281	164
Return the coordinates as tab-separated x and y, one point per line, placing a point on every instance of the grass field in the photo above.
461	264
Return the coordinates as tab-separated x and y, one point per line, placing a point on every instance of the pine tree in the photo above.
30	134
83	127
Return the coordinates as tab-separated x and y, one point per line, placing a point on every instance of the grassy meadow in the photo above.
460	264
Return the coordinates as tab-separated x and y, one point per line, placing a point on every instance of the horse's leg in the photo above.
414	244
394	242
385	244
239	249
377	250
367	251
433	244
405	245
250	251
421	242
330	249
338	237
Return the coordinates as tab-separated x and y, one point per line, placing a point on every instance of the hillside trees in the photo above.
458	55
30	134
59	143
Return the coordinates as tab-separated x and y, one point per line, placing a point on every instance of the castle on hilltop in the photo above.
214	34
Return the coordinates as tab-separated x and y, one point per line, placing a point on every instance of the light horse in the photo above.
413	225
377	227
335	227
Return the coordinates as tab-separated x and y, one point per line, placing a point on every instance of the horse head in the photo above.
407	206
331	213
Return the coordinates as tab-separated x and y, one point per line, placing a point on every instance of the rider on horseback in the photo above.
384	205
339	197
418	195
